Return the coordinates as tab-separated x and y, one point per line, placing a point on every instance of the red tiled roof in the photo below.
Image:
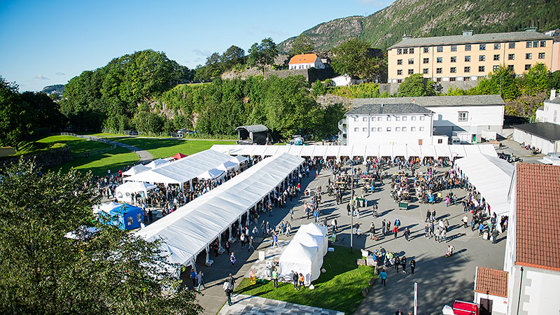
492	282
305	58
538	216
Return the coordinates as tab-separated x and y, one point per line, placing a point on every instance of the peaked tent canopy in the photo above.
136	169
124	192
179	156
157	163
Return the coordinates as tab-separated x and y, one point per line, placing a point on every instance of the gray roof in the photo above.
379	109
435	101
253	128
555	100
472	39
544	130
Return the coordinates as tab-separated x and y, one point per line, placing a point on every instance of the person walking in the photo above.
403	263
382	276
227	246
428	214
406	234
412	266
395	231
193	278
229	284
274	240
200	280
275	278
465	221
372	230
397	263
295	279
232	258
251	244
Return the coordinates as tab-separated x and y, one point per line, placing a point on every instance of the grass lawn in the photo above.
102	157
340	288
162	148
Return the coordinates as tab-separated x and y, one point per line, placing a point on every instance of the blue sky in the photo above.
49	42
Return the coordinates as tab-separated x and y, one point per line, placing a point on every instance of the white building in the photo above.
491	290
550	111
404	123
532	256
306	61
468	118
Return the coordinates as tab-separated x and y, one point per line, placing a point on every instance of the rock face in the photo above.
433	18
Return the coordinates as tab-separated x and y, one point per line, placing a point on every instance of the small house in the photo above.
306	61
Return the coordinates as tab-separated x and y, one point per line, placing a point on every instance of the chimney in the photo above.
404	36
467	33
552	94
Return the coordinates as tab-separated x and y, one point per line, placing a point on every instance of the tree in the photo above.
353	58
263	54
44	272
536	80
502	82
319	88
302	45
233	56
416	85
554	82
15	116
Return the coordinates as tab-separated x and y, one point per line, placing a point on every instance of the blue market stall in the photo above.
124	216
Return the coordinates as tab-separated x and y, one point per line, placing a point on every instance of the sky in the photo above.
49	42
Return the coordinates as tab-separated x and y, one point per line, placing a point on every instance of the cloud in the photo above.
41	77
60	73
201	53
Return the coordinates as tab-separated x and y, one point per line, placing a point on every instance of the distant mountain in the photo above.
57	88
434	18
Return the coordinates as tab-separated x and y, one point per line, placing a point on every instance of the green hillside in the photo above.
421	18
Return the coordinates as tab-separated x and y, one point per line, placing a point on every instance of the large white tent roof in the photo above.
188	230
369	150
492	178
183	170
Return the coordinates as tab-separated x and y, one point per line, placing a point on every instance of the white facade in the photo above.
342	80
546	146
550	111
389	129
317	64
499	304
477	121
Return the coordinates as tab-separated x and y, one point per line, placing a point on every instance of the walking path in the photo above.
142	154
253	305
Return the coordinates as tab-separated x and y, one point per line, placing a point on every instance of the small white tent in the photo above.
317	231
211	174
228	165
125	191
157	163
136	170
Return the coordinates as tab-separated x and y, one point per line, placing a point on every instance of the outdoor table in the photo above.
403	205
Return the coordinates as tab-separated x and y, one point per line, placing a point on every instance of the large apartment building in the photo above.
468	56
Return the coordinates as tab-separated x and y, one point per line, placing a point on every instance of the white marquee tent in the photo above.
137	169
190	229
369	150
183	170
305	253
124	192
491	176
157	163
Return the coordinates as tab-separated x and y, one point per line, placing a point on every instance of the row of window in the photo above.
528	56
467	69
397	118
468	47
388	129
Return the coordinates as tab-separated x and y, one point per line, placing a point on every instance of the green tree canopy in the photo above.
536	80
502	82
353	58
15	116
416	85
44	272
302	45
263	54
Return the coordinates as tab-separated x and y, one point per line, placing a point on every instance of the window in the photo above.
399	80
481	58
397	129
466	78
356	129
388	118
405	51
467	69
452	79
379	129
510	67
421	129
399	72
467	58
438	70
528	56
453	47
426	60
480	68
425	71
468	47
541	55
364	129
439	59
413	118
527	67
355	119
410	71
439	48
463	116
411	51
404	129
411	61
421	117
495	68
511	56
412	129
404	118
364	119
438	79
397	118
453	70
543	43
511	45
439	141
496	57
454	59
379	118
482	47
399	61
529	44
372	129
388	129
399	51
536	44
426	50
497	46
